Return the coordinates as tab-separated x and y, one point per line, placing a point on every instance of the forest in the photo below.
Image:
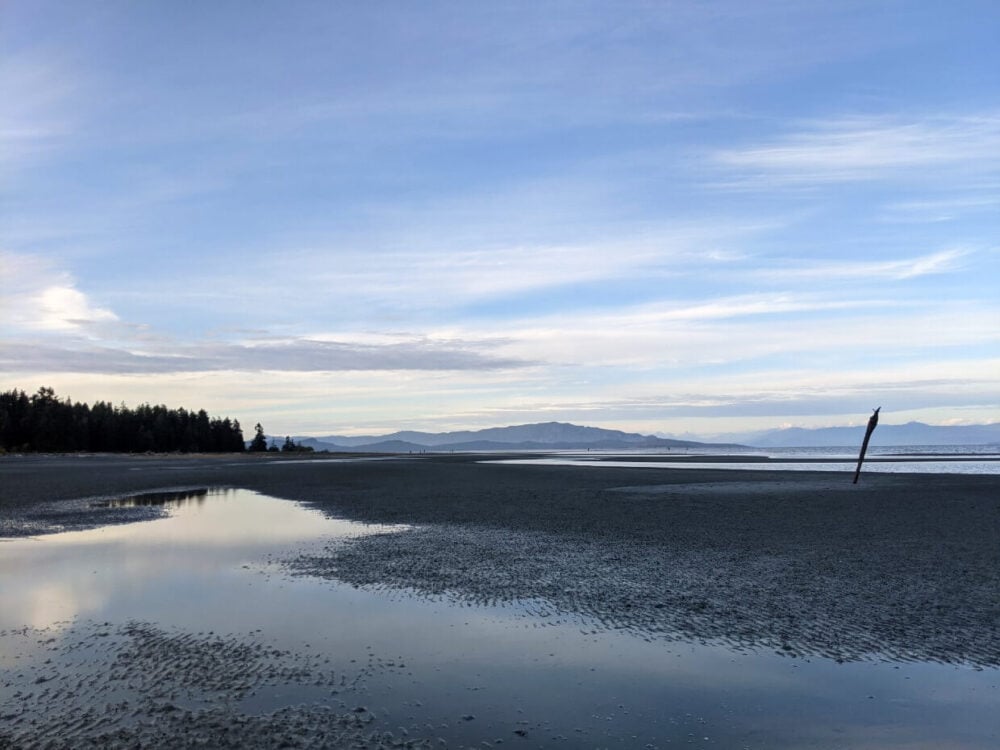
45	423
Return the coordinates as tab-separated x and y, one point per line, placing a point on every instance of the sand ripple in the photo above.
811	601
140	686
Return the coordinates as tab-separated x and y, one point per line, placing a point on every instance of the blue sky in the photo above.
358	217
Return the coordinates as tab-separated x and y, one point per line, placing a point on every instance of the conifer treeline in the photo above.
43	423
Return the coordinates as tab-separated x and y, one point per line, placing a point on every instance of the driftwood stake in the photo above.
872	422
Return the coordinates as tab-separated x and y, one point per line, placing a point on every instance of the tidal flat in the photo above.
439	601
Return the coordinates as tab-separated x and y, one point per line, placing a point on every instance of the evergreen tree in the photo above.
43	422
290	446
259	442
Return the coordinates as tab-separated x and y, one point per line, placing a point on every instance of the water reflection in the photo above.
194	612
169	499
163	567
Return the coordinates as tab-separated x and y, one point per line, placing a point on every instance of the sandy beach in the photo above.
900	568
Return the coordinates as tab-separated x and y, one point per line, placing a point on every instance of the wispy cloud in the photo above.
943	209
429	270
33	119
748	332
297	355
869	148
52	326
943	261
523	67
767	393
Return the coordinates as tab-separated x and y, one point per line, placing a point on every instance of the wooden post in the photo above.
872	422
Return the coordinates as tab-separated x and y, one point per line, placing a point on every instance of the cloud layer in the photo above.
338	218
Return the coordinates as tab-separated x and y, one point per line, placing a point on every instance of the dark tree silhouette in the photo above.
43	422
290	446
259	442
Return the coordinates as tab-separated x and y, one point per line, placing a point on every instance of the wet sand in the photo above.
138	686
899	567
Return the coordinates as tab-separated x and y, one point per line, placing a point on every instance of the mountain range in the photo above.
910	433
541	436
564	436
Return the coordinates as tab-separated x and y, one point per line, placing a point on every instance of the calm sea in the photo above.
910	459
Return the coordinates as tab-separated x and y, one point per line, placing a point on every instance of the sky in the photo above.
687	217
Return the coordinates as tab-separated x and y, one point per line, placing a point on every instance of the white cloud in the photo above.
943	261
381	401
291	355
64	308
38	297
435	271
943	209
527	361
870	148
746	306
760	395
88	338
746	331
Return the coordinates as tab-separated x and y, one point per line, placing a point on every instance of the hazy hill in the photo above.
541	436
911	433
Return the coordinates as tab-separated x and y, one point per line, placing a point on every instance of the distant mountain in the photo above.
541	436
911	433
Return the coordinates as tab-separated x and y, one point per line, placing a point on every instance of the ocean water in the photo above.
931	459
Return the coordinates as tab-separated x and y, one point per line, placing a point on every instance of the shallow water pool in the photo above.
118	629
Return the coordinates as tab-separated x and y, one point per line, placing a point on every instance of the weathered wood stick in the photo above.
872	422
